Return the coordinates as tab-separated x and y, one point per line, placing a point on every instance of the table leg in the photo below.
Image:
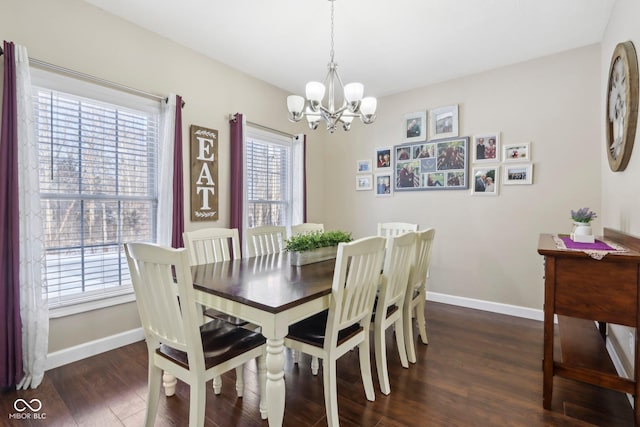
275	381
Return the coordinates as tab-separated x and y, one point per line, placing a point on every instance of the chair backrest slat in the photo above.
212	245
307	227
386	229
355	283
265	240
399	257
166	305
424	244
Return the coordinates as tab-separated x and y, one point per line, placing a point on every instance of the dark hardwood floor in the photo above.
479	369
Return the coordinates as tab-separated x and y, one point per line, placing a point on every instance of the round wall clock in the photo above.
622	105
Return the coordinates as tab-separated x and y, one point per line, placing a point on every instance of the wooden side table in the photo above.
582	291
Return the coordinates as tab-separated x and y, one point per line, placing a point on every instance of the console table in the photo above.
581	290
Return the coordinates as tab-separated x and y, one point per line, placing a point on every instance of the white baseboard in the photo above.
494	307
91	348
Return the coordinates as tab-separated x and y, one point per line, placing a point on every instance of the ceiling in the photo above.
390	46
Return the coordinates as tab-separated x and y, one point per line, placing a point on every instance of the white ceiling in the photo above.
389	46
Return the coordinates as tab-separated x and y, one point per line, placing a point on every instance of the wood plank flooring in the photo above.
479	369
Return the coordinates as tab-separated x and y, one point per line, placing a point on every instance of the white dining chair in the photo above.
210	245
416	294
307	227
386	229
346	324
176	341
265	240
399	256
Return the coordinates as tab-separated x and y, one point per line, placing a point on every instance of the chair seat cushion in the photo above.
312	330
390	310
221	341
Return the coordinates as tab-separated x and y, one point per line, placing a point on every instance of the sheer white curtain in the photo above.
165	171
34	311
298	180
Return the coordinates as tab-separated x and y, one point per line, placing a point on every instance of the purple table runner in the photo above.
598	245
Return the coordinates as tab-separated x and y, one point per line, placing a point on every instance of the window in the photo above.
98	171
268	171
274	179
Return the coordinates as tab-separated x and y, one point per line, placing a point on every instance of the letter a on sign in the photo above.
204	174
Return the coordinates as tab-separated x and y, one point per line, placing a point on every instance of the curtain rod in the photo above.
259	126
90	78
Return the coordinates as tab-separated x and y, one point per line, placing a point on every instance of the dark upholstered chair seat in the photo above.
221	341
390	310
312	330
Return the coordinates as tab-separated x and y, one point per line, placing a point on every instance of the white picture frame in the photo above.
384	184
486	147
414	127
384	158
518	174
363	166
364	182
485	181
443	122
520	152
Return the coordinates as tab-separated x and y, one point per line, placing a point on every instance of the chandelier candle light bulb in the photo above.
352	96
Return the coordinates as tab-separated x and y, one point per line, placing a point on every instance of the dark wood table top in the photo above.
267	282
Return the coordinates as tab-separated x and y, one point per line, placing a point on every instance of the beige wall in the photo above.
76	35
486	246
620	190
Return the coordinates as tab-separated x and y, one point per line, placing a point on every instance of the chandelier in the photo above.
349	98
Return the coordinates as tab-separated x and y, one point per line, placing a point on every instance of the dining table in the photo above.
270	292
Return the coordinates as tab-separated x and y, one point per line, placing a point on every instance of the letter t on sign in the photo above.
204	174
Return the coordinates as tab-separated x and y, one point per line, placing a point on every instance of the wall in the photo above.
486	246
620	201
76	35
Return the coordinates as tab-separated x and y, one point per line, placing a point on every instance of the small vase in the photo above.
582	232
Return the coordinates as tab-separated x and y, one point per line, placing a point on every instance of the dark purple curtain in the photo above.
177	227
10	323
304	178
235	125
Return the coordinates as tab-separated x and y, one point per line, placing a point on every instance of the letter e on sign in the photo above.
204	174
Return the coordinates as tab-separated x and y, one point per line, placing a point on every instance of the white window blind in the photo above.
268	180
98	185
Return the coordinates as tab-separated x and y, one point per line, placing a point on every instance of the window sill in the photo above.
83	306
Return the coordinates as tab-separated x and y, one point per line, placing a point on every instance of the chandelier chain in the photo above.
332	6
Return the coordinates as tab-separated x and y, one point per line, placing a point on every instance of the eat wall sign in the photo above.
204	174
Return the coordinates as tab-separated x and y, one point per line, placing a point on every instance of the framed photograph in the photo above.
433	165
363	166
521	174
517	152
364	182
443	122
383	184
485	181
486	147
414	127
383	158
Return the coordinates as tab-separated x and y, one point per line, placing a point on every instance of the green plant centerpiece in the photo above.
307	248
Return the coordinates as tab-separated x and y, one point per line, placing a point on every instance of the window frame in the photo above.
122	101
